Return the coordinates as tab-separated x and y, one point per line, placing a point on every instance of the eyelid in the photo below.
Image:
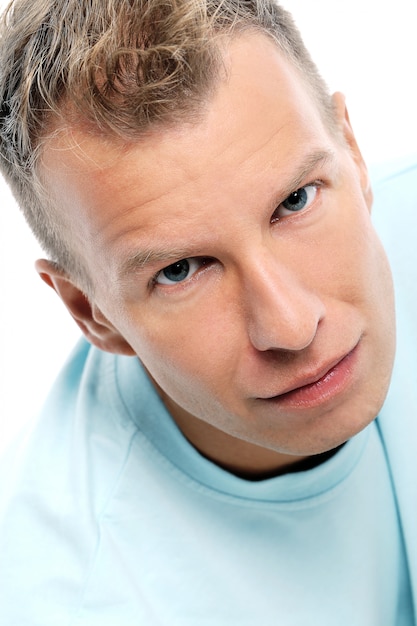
202	261
317	183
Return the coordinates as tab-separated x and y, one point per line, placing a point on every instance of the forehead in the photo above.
261	118
255	75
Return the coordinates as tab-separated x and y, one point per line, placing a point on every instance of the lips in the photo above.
327	381
316	377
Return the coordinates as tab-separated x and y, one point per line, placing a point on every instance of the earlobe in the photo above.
343	121
95	326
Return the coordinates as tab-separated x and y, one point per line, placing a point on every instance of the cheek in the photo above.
361	278
185	351
370	274
348	259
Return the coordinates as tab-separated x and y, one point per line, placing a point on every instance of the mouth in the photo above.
320	387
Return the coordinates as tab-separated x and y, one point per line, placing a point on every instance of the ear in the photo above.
95	326
343	121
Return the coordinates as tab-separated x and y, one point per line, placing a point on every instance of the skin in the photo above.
274	298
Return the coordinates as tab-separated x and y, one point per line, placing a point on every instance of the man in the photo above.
211	454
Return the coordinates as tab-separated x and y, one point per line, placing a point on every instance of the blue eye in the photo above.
180	271
296	201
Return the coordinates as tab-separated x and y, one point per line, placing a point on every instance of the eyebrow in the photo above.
167	255
147	256
308	165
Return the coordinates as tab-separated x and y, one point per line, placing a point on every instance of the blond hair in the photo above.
122	66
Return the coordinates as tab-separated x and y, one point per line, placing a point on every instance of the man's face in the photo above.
237	258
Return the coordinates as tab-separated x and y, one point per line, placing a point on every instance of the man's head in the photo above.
232	251
121	68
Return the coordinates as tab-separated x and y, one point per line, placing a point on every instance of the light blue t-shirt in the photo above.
109	517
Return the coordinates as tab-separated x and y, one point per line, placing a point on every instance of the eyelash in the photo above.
202	260
316	184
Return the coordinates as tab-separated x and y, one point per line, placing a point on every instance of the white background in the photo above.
365	48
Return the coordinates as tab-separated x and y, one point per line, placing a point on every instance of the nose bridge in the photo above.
282	311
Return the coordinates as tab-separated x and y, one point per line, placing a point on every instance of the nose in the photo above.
282	312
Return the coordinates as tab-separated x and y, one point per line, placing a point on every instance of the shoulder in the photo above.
395	218
83	418
55	482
